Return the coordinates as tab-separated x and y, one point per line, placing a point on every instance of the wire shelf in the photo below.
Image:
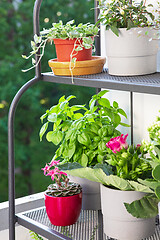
88	226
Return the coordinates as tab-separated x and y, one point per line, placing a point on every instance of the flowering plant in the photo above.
128	162
124	14
61	186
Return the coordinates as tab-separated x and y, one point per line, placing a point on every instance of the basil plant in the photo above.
79	132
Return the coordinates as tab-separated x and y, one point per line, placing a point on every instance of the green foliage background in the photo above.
16	33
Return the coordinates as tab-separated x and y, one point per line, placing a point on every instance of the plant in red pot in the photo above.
73	43
63	199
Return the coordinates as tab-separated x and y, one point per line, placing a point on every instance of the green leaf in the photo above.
69	166
70	97
157	192
102	146
115	30
151	183
104	102
55	137
52	117
43	130
100	159
156	172
105	167
84	160
69	150
140	187
115	104
147	207
101	93
78	115
43	117
84	139
94	128
124	124
122	112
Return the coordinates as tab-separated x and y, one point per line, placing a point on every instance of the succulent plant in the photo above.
64	191
61	186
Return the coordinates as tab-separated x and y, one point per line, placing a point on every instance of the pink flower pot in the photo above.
63	211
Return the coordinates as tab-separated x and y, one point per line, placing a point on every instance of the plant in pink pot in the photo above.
63	199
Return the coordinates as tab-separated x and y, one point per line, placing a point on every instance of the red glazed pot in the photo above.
63	211
64	47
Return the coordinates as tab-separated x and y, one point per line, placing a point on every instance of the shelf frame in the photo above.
104	80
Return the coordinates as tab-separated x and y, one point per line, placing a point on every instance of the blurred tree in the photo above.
16	33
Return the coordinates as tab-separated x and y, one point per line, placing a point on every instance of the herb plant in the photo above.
82	32
80	132
117	14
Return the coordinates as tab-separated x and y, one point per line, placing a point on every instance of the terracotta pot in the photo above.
64	48
117	222
63	211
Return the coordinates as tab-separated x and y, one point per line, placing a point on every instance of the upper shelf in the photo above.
142	84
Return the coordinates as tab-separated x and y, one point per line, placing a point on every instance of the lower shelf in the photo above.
88	226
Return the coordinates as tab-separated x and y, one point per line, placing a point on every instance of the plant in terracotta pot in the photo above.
73	43
127	201
131	36
80	132
63	199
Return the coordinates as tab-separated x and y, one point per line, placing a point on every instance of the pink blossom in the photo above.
138	145
46	169
63	173
118	143
54	162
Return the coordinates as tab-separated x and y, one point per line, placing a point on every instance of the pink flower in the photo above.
118	143
54	162
46	169
138	145
63	173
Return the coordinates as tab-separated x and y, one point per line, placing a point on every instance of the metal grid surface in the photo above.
86	228
150	79
143	84
147	79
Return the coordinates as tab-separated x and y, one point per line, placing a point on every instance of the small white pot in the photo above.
132	53
117	222
90	193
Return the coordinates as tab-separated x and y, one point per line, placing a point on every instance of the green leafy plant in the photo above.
129	171
83	33
117	14
81	132
128	162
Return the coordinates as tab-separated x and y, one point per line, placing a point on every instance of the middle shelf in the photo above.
142	84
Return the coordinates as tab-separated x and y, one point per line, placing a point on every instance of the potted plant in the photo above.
81	133
63	199
128	201
73	44
131	36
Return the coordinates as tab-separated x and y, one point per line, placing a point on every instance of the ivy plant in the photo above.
117	14
59	30
79	132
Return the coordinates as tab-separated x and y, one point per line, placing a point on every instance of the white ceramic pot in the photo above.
90	193
132	53
117	222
